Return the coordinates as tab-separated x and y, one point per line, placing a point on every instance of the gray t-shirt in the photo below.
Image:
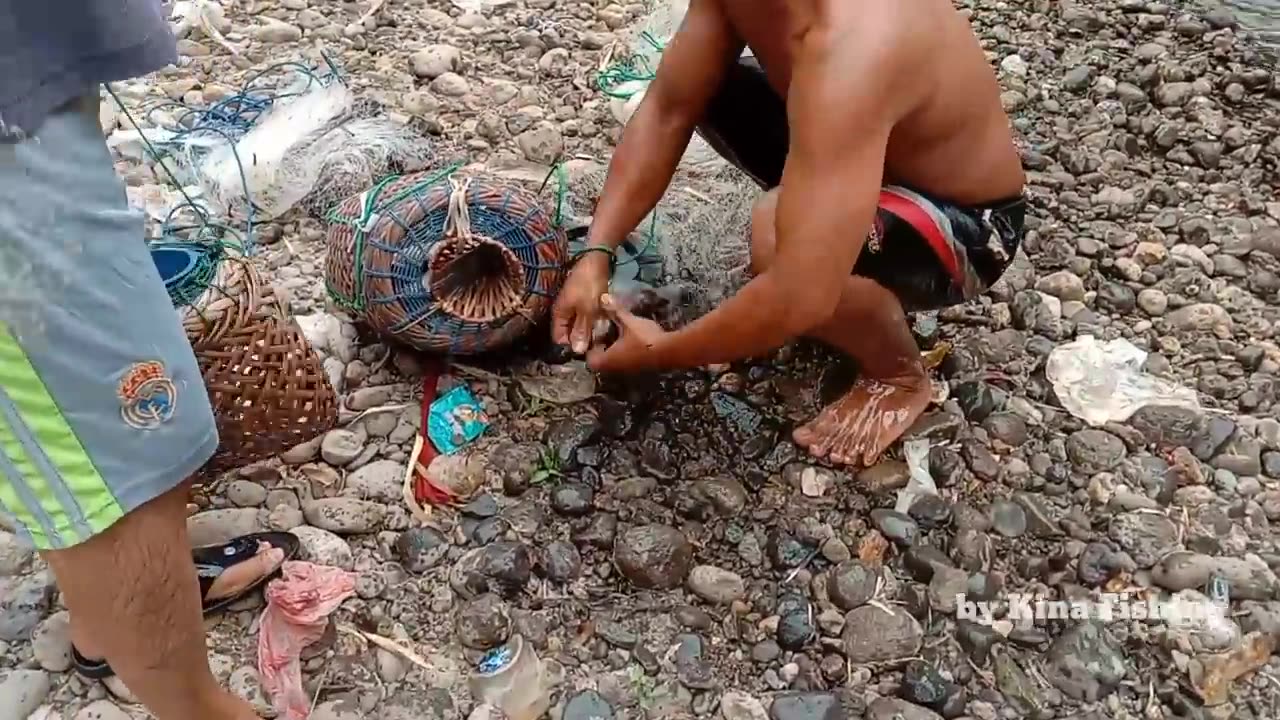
53	50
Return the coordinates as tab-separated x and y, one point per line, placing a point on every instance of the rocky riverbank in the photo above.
664	546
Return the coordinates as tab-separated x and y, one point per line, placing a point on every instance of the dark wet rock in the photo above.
501	567
488	530
483	623
946	589
1094	451
565	437
656	557
600	532
795	622
985	586
1008	519
725	497
922	561
1040	523
692	668
938	425
967	517
1146	536
807	706
931	512
1168	426
616	634
692	617
1096	565
716	585
1023	694
515	463
482	506
873	635
658	459
420	549
971	550
851	584
883	477
980	460
1271	464
587	705
1007	428
1086	662
785	551
979	400
23	605
922	684
977	640
572	499
561	562
765	651
945	466
895	526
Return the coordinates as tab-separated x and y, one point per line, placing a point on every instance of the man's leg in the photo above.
103	415
869	325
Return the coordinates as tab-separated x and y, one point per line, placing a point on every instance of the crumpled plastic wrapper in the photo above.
298	607
1103	381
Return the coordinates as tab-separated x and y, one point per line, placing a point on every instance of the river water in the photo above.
1262	16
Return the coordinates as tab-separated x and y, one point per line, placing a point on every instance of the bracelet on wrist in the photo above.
613	258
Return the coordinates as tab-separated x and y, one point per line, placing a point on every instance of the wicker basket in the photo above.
446	264
267	387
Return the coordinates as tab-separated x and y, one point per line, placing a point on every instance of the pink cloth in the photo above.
298	607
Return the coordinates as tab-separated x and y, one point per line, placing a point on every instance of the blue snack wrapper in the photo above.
455	419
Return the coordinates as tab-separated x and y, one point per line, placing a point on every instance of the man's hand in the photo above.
634	349
578	306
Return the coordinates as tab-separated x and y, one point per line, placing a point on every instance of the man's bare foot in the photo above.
236	578
859	426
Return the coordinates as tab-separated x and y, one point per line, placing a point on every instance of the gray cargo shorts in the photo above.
102	407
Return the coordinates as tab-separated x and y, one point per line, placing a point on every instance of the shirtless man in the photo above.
892	183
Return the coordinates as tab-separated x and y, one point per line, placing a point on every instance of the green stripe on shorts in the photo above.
57	448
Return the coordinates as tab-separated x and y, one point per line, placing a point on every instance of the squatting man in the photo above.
891	183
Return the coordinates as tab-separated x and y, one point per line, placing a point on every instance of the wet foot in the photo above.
859	426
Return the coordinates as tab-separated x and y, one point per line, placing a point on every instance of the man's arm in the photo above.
692	68
841	111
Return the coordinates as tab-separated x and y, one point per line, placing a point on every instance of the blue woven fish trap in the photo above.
446	263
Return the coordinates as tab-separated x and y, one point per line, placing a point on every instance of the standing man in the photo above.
103	413
892	184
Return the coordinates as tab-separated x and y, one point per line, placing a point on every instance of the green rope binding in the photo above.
373	205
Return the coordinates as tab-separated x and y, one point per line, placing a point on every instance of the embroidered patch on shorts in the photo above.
147	396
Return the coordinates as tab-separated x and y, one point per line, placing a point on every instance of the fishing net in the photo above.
700	229
445	262
266	386
292	136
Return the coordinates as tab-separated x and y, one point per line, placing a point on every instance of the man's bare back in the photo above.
892	184
954	138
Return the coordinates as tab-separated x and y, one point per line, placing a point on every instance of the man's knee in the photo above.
763	231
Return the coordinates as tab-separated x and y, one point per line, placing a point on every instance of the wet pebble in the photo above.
572	499
872	634
896	526
716	585
657	557
420	549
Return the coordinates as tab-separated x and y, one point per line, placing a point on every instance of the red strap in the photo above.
924	224
424	491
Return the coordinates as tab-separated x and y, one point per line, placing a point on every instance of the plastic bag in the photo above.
920	482
1102	382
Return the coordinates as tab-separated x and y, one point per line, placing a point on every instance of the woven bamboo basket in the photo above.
446	264
265	383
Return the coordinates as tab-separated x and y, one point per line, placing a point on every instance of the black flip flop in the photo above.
211	562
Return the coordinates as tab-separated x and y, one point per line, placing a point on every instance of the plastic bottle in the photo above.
510	678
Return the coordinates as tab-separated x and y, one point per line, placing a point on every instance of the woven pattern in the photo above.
447	264
267	387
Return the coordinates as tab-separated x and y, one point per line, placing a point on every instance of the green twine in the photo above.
630	69
361	225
